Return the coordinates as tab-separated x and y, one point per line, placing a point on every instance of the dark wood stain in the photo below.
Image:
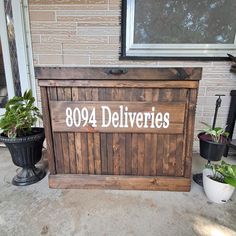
116	159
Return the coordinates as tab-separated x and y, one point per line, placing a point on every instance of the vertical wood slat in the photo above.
103	137
84	140
179	170
90	136
52	94
76	96
109	139
172	156
48	130
96	139
181	138
147	139
160	154
141	153
62	94
118	138
190	131
71	138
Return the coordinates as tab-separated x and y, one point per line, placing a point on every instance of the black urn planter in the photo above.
210	150
26	152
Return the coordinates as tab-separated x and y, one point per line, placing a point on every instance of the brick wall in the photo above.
86	33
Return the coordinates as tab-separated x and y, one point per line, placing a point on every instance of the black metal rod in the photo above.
218	104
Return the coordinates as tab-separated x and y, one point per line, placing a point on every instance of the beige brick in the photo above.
98	31
50	59
53	32
42	16
55	48
66	2
71	14
114	7
89	18
35	59
211	91
197	64
170	63
75	60
72	39
35	38
90	47
202	91
54	26
71	7
115	2
98	24
114	39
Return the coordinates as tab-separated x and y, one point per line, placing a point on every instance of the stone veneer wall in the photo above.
86	33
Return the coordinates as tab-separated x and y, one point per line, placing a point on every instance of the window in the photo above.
178	28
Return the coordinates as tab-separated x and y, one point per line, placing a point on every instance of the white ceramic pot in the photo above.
216	192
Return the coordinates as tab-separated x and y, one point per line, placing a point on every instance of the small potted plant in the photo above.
24	141
213	142
219	181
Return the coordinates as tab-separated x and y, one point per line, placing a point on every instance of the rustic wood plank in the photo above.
128	154
104	116
148	154
122	149
48	130
90	137
134	154
110	154
120	182
141	153
118	84
108	73
96	139
52	94
76	96
160	154
84	150
190	131
116	153
91	160
71	138
172	156
179	170
72	153
166	154
104	153
153	165
79	154
97	156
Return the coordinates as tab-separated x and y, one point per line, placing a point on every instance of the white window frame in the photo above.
23	46
169	50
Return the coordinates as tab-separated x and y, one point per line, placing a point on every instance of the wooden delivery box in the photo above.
117	128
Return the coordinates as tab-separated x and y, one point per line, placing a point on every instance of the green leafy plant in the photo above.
20	116
218	134
224	173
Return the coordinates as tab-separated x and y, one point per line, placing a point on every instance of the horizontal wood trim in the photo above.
110	73
176	115
118	84
74	181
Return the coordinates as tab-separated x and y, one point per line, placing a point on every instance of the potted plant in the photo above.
212	142
219	181
24	141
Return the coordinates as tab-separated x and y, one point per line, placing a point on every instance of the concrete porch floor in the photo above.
37	210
